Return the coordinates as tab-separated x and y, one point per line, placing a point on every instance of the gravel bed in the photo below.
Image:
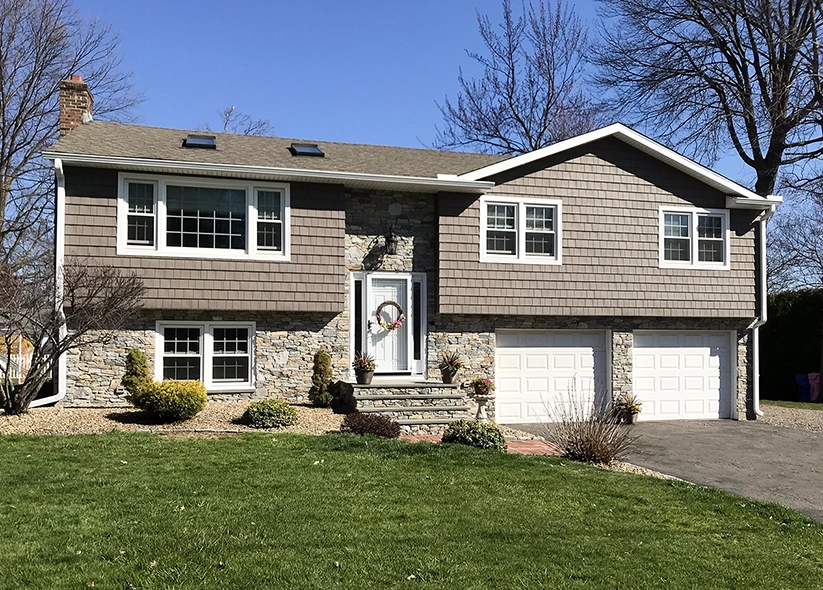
792	417
216	417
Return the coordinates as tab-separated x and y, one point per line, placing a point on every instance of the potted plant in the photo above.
481	391
628	407
449	364
363	366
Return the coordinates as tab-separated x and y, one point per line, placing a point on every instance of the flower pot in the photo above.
448	375
363	377
630	417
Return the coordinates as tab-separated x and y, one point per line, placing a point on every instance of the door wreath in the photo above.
390	326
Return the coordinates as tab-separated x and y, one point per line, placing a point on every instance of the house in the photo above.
604	263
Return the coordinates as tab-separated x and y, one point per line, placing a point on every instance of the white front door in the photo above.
388	344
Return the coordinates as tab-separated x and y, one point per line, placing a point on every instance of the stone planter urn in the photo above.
482	401
448	375
363	377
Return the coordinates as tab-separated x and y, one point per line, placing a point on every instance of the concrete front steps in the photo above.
424	407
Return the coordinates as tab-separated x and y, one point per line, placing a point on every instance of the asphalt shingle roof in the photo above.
99	138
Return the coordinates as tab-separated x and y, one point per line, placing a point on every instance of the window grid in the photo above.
181	354
222	353
176	216
140	220
540	235
522	231
269	220
230	361
694	237
710	238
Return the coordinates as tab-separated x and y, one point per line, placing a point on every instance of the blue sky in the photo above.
355	71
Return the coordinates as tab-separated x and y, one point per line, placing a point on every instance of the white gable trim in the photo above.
740	196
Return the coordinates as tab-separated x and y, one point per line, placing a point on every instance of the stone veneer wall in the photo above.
285	345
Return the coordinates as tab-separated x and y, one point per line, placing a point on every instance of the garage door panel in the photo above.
563	360
682	375
509	362
536	362
668	360
552	366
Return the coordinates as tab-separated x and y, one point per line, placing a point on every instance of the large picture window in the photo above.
216	353
519	231
187	217
694	238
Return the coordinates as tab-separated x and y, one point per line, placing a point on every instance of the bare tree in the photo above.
41	43
707	74
93	301
233	121
531	92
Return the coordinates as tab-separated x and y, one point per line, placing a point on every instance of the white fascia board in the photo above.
454	184
632	137
733	202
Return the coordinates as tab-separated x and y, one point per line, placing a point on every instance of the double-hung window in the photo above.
513	230
216	353
694	238
201	218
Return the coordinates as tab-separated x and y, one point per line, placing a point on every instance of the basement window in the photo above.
200	141
306	149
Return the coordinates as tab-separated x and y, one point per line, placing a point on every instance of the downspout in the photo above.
59	255
763	316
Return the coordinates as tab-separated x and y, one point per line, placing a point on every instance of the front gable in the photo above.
614	198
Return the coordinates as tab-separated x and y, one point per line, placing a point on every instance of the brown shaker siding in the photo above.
611	194
314	279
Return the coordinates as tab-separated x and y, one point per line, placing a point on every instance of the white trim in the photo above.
645	144
693	263
521	204
161	250
285	174
59	260
207	352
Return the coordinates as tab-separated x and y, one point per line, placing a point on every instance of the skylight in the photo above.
306	149
200	141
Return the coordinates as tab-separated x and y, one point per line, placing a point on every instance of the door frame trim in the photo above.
417	368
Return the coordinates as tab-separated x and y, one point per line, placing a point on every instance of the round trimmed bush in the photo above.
483	435
269	413
171	401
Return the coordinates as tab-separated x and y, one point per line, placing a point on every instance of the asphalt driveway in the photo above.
750	459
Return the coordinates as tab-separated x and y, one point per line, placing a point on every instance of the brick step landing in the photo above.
423	407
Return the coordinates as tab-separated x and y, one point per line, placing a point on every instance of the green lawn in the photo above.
339	511
797	405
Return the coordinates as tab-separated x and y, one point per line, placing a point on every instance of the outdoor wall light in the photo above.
391	241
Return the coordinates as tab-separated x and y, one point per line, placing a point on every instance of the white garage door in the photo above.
538	371
680	375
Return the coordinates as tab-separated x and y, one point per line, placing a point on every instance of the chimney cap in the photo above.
76	78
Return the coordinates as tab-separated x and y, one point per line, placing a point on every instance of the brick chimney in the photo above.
76	103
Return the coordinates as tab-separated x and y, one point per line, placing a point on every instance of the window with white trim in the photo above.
201	218
217	353
694	237
519	231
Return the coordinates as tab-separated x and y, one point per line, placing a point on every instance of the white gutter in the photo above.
59	256
763	316
443	183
